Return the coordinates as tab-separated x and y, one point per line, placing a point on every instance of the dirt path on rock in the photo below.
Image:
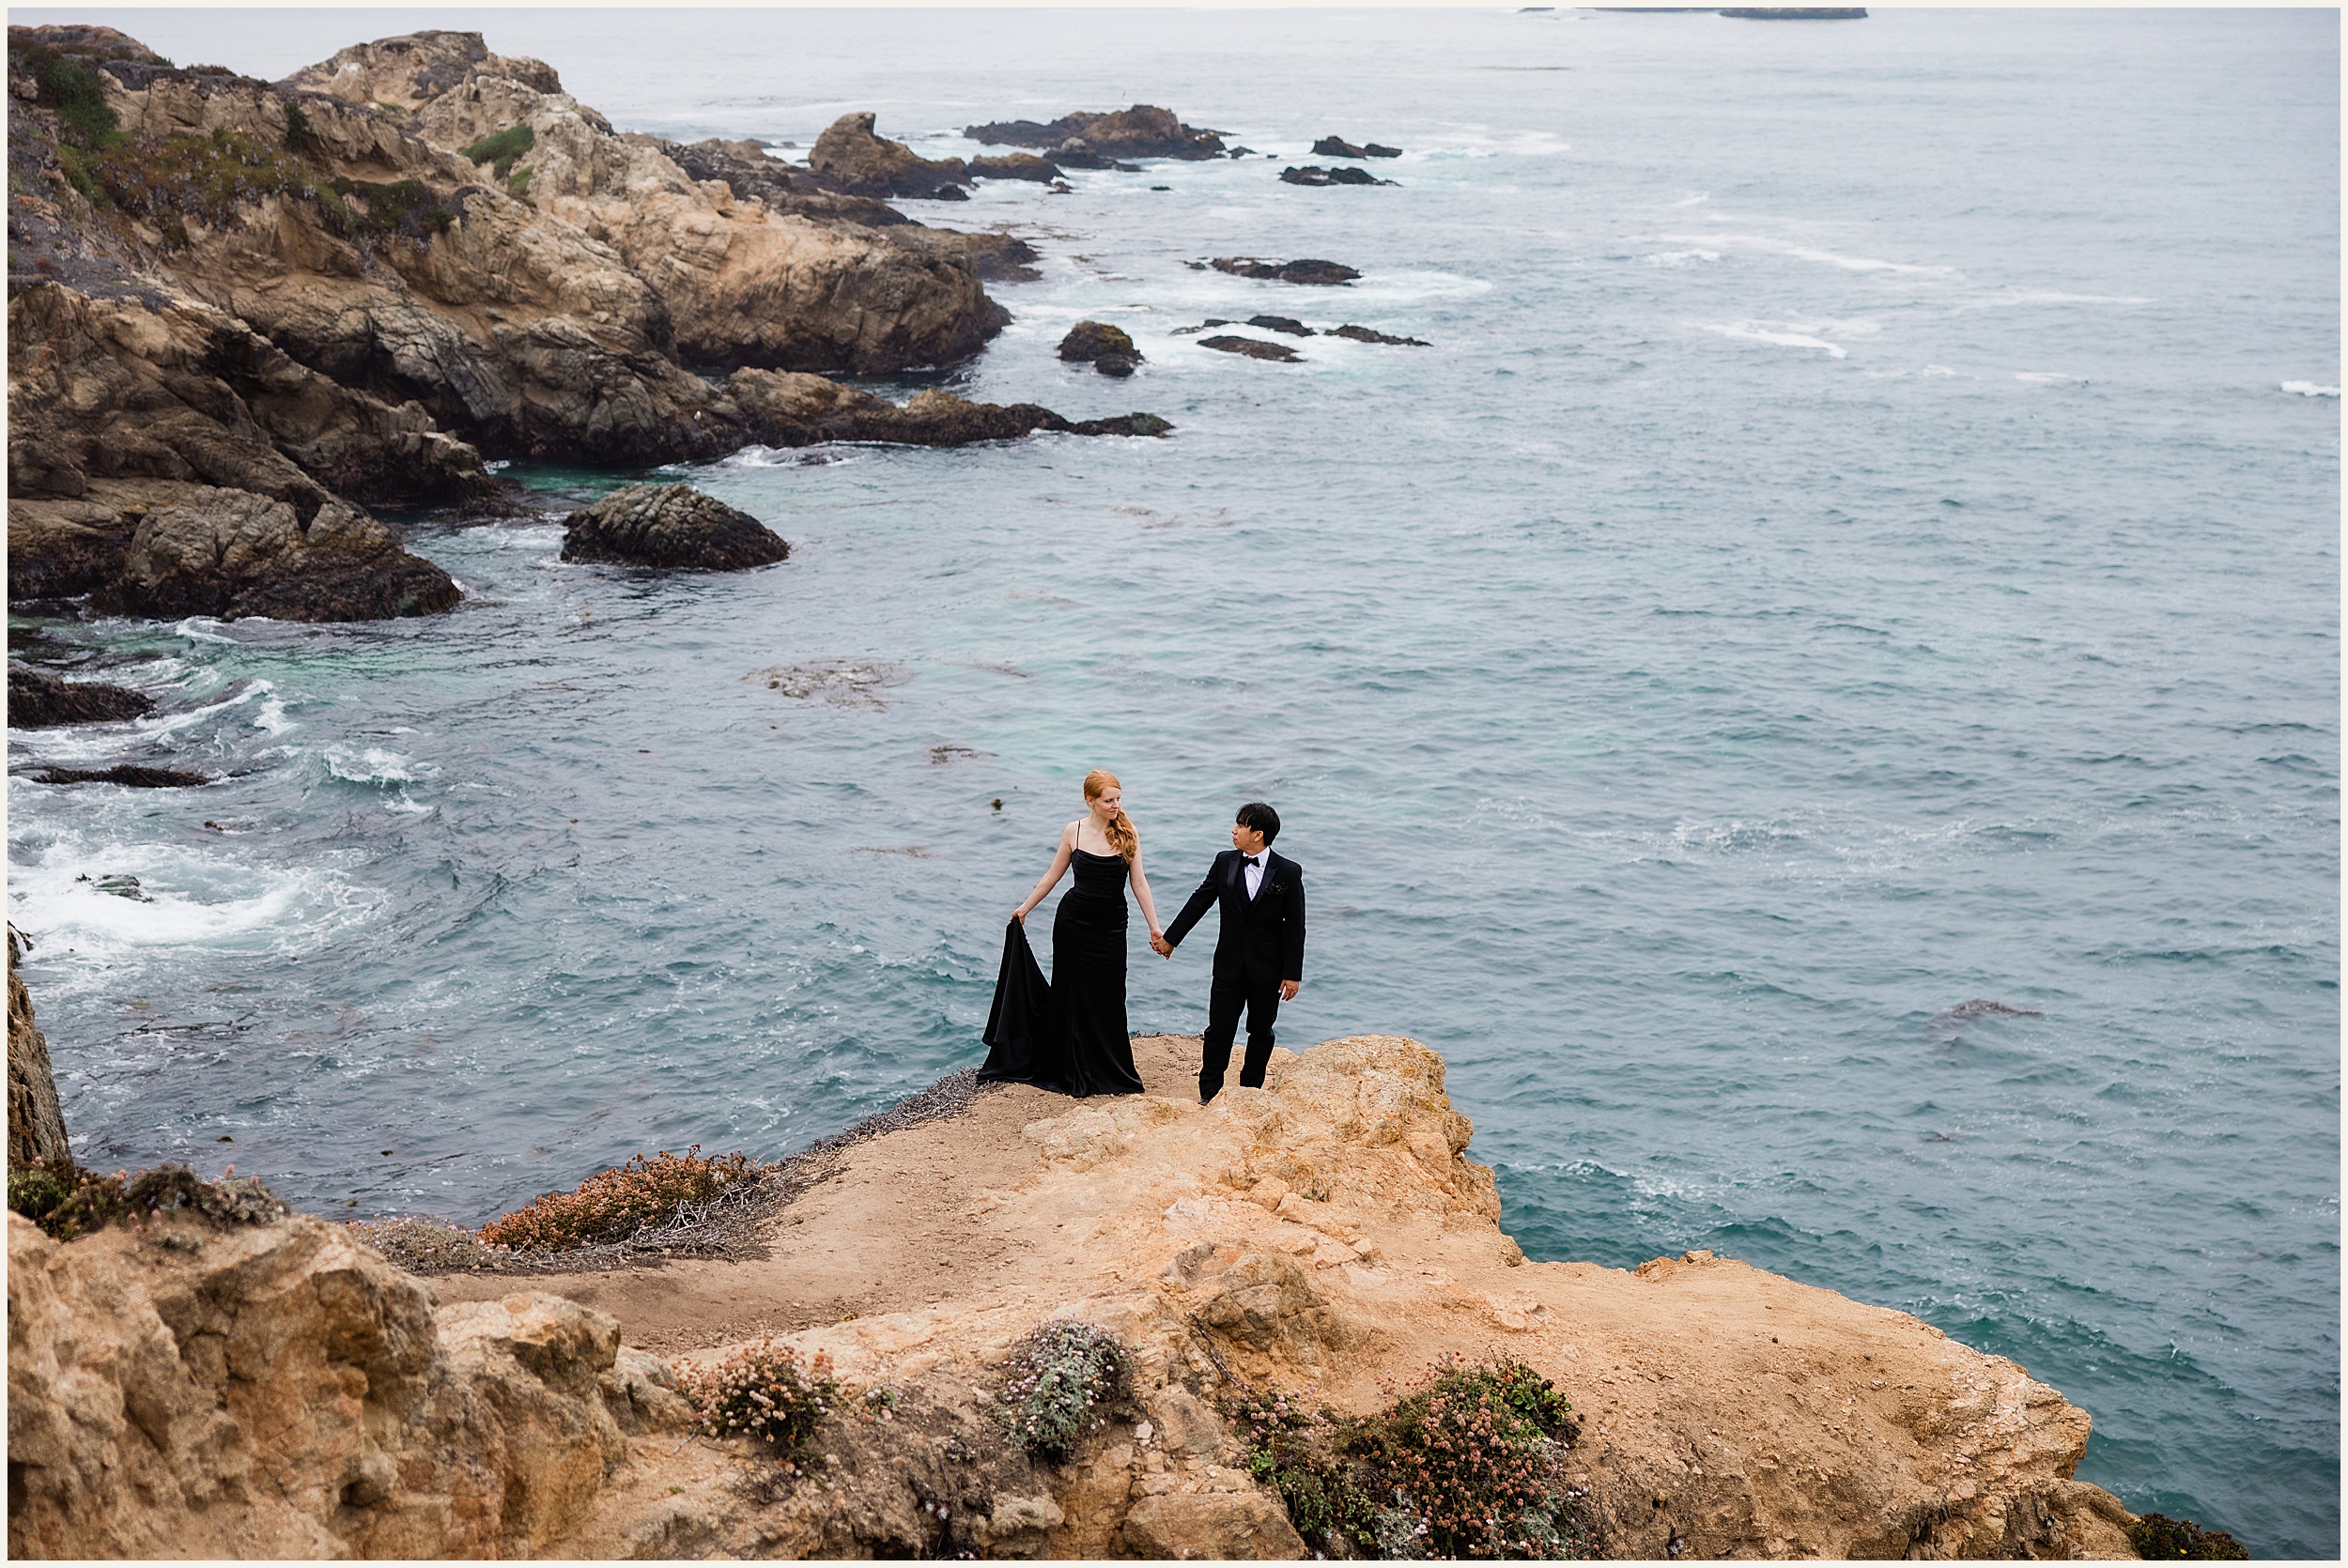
904	1221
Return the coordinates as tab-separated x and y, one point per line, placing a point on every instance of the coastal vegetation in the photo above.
67	1202
2158	1537
613	1205
1467	1464
767	1392
1052	1381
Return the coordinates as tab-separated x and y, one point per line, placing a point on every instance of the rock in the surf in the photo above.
1254	348
132	776
1287	324
1305	269
1337	146
1370	334
1093	342
1314	175
38	700
1143	131
673	526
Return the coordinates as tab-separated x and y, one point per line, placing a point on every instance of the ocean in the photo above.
1863	538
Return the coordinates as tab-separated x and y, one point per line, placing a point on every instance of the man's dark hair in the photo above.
1265	819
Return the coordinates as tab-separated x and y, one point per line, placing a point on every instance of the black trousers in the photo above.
1232	994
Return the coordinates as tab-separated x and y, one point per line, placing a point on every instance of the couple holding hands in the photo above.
1068	1034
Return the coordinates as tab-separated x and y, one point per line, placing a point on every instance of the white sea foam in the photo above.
1793	334
1938	370
2048	377
1696	199
191	897
1681	258
2049	297
1811	252
376	765
2310	388
203	628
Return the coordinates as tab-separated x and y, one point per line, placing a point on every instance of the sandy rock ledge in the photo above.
283	1390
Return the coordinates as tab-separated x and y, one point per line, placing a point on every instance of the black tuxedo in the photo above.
1261	943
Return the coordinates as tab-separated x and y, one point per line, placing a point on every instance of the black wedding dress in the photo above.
1070	1037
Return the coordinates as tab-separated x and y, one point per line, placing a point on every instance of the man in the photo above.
1259	953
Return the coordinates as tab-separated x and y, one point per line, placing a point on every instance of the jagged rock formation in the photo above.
1337	146
1143	131
346	287
1107	349
39	700
865	163
672	526
1314	175
36	1121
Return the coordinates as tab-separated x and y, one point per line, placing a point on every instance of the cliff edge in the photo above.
282	1390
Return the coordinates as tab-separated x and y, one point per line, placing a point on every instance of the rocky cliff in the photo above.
283	1390
35	1122
257	305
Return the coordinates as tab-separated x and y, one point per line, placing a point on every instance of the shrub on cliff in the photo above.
611	1205
1468	1464
2156	1535
764	1392
423	1243
503	147
1053	1380
72	1202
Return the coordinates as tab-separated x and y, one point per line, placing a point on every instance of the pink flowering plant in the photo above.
766	1392
1054	1378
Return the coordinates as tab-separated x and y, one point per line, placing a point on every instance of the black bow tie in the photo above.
1253	860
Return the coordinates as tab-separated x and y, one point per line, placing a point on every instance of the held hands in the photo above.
1159	945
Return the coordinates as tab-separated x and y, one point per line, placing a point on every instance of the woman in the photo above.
1073	1040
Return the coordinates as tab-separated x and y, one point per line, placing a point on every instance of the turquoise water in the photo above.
1864	539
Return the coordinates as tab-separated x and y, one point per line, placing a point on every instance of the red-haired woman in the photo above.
1075	1040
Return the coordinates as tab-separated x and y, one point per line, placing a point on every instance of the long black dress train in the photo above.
1079	1046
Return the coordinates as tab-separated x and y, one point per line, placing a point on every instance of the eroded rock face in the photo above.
186	1391
672	526
200	550
35	1122
863	162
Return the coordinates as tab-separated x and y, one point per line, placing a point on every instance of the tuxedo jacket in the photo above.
1263	939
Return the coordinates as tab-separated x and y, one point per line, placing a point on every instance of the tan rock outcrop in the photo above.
282	1391
35	1122
181	1389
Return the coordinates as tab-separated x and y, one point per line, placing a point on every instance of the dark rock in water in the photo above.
793	410
1018	165
129	773
120	884
40	701
1364	334
1243	152
1287	324
1337	147
1314	175
1001	259
1087	341
1119	365
1305	269
863	162
202	550
672	526
1254	348
1143	131
1210	322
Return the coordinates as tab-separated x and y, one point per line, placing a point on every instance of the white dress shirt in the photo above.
1255	873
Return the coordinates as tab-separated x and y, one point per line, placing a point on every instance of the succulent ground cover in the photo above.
1467	1464
1053	1380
